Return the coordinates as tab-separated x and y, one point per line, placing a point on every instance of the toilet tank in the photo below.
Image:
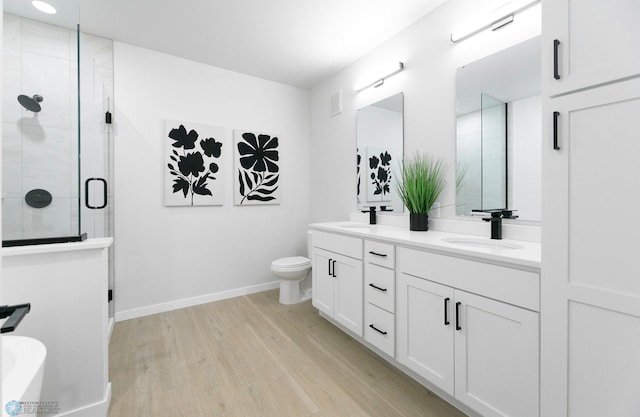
309	243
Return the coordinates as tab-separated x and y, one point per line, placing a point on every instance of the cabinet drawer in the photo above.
379	329
345	245
379	287
514	286
379	253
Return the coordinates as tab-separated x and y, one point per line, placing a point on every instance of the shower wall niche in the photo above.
48	155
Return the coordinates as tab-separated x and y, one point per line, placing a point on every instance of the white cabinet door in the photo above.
598	43
337	288
322	280
590	291
425	329
348	294
496	357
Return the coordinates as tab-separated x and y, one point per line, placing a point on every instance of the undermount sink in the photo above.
356	226
22	369
481	243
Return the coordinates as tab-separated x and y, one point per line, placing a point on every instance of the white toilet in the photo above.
295	276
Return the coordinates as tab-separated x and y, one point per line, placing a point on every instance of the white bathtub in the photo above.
22	369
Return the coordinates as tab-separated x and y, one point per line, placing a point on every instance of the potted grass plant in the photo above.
423	179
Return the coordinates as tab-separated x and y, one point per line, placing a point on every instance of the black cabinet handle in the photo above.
458	316
104	193
334	268
556	72
378	288
377	330
446	311
330	274
556	115
382	255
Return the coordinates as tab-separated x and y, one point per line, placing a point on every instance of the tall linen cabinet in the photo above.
590	284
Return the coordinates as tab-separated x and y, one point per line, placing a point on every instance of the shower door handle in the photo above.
104	193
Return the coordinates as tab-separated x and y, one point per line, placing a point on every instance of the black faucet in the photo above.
372	214
15	313
496	223
496	220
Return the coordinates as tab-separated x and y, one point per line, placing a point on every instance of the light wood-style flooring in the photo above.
253	357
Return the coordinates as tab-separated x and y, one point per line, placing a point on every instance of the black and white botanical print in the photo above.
257	165
379	164
194	171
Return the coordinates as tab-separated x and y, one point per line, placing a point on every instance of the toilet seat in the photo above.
293	262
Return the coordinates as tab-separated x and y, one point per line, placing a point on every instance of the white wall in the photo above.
428	83
173	256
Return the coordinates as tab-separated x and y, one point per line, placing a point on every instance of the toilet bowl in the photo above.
294	274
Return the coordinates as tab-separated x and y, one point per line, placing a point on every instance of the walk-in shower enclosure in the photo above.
57	87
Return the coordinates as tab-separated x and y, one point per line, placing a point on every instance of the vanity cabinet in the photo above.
463	322
337	279
588	43
482	351
379	289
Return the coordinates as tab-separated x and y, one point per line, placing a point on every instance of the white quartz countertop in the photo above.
88	244
519	254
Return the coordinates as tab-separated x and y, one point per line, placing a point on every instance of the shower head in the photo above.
30	103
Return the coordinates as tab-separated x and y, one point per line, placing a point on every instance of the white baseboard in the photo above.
193	301
99	409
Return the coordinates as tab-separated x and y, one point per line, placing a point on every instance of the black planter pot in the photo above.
419	222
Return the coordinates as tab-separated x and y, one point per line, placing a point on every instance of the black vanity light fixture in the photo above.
377	79
494	19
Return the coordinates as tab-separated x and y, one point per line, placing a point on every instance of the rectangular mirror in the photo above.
499	132
380	147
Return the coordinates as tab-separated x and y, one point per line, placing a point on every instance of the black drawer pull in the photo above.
556	71
382	255
446	311
377	330
378	288
334	268
330	274
458	316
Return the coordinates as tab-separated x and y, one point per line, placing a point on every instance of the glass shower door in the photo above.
96	86
494	153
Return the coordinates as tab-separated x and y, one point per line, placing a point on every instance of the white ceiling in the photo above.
295	42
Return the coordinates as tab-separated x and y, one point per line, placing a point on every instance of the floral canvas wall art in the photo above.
194	172
257	168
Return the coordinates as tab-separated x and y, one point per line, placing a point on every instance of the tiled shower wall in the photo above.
40	150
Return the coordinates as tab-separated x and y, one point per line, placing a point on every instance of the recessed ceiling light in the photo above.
44	7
